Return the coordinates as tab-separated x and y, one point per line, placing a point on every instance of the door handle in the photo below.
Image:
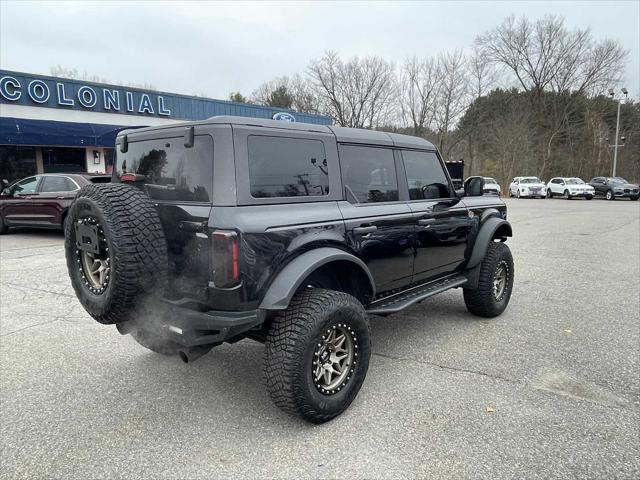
364	230
426	221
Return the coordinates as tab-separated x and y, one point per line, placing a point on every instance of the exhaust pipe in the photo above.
190	355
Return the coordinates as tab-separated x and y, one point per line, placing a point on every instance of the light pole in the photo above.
615	146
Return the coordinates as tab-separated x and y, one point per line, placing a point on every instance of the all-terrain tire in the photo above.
291	348
136	246
482	301
3	228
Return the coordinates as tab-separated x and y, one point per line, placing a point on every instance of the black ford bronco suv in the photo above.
286	233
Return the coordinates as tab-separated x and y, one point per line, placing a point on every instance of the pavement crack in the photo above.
24	287
28	327
448	367
609	403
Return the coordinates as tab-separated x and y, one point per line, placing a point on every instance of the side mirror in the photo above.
6	191
459	192
474	186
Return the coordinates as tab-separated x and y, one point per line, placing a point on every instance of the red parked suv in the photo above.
42	200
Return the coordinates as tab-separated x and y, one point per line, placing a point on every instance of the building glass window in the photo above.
62	159
17	162
109	156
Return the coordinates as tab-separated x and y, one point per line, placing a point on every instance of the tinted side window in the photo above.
57	184
425	176
368	174
171	171
26	186
287	167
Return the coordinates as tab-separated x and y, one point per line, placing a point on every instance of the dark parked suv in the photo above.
285	233
615	187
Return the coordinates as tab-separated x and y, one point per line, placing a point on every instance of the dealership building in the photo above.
50	124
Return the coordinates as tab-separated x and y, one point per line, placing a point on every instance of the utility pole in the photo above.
615	146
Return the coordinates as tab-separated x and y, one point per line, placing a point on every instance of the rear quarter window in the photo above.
172	171
287	167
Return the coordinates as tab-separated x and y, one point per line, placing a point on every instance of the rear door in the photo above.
441	220
179	180
379	224
56	193
599	185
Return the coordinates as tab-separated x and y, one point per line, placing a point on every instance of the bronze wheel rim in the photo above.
334	359
500	280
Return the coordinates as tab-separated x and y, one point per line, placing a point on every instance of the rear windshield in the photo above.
172	171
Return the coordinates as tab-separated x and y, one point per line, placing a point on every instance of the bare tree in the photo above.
544	56
453	96
419	88
357	93
511	144
483	75
274	93
287	92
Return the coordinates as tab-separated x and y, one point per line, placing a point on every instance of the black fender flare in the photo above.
288	281
488	230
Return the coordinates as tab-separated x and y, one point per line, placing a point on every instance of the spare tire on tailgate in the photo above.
115	248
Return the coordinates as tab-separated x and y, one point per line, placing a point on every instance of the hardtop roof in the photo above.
342	134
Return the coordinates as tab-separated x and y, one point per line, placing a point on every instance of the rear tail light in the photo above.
225	258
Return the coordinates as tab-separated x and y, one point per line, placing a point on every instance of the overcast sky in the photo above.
216	48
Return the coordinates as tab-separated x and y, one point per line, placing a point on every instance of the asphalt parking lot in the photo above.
551	389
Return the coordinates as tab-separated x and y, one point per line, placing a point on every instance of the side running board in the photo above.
399	301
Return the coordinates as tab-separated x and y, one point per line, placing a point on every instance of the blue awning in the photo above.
20	131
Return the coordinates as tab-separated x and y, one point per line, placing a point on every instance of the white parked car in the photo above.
527	187
491	187
569	187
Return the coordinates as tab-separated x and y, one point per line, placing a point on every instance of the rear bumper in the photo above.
182	324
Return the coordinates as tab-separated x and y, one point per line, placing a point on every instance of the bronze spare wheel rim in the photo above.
95	267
